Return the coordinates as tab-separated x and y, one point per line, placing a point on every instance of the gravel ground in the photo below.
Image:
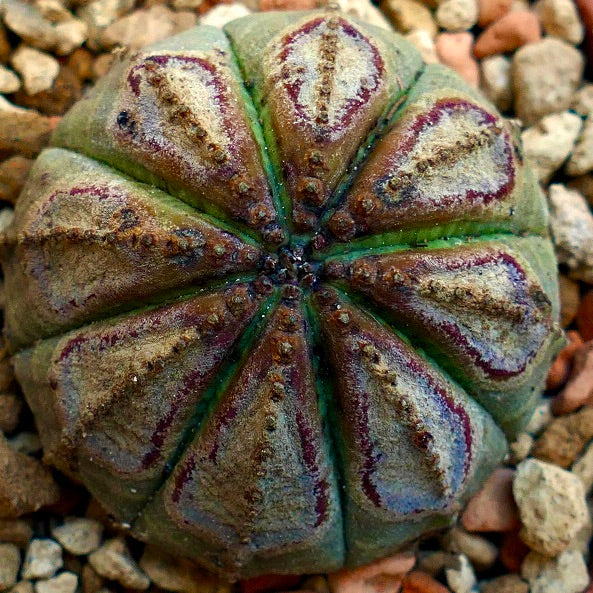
529	529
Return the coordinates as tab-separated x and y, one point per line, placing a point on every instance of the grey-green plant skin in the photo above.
279	295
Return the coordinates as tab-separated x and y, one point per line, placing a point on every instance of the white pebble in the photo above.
222	14
583	468
113	561
37	69
462	579
582	102
43	559
9	81
10	562
65	582
457	15
560	18
565	574
78	535
496	81
581	159
424	43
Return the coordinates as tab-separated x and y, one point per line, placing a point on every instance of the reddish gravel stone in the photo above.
579	388
493	508
508	33
420	582
492	10
585	316
13	173
455	50
560	369
512	551
570	299
270	582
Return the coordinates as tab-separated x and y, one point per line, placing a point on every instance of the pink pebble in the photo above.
492	10
382	576
455	50
493	508
508	33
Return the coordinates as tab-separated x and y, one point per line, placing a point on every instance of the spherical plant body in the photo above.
278	295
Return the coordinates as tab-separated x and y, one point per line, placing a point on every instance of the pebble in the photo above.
457	15
551	504
492	10
481	552
113	561
65	582
569	297
462	579
560	18
146	26
23	587
585	316
571	222
424	43
545	76
11	406
421	582
265	5
434	562
560	370
521	446
16	531
42	560
586	11
102	65
512	551
5	49
492	508
222	14
78	535
579	387
9	81
26	485
508	583
583	468
365	11
38	70
567	573
409	15
541	417
10	563
454	50
374	577
496	81
565	438
509	32
582	101
581	159
178	574
100	14
269	583
28	23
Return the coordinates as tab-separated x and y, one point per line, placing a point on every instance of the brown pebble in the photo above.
287	5
512	551
492	10
11	406
13	173
420	582
565	437
585	316
15	531
579	387
508	33
493	507
65	91
560	369
586	11
455	50
91	581
570	298
508	583
26	484
81	63
101	65
24	133
584	185
5	49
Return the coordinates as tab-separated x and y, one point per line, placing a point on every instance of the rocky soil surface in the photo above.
529	529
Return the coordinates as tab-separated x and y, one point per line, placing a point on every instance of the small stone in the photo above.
37	69
492	10
508	583
100	14
143	27
409	15
424	43
551	504
572	228
511	31
13	173
195	4
23	587
11	406
16	531
102	65
5	49
454	50
549	143
521	446
565	438
113	561
512	551
379	576
78	535
493	508
421	582
70	34
581	159
541	417
222	14
28	23
457	15
496	81
265	5
26	485
560	370
43	559
481	552
80	63
365	11
545	76
65	582
582	101
10	562
434	562
579	388
9	81
560	18
567	573
583	468
462	579
569	299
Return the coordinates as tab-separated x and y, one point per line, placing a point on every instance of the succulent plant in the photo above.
279	295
